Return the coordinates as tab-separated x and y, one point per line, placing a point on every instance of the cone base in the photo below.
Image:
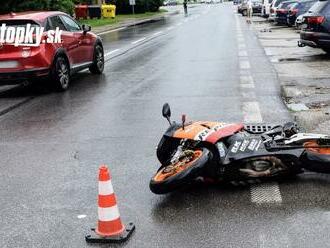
94	238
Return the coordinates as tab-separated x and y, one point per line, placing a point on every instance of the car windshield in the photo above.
278	2
317	7
285	5
294	5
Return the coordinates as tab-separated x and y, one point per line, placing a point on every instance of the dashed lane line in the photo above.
111	52
242	53
157	33
139	40
244	64
251	112
266	192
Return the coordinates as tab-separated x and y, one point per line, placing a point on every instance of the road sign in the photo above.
131	2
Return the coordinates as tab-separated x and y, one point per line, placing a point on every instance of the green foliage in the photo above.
62	5
67	6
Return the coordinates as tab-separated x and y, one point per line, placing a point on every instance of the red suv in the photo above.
78	49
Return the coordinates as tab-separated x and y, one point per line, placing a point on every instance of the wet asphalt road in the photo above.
209	67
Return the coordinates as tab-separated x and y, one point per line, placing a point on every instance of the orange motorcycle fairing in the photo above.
207	131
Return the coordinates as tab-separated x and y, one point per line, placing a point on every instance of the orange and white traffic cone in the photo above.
109	229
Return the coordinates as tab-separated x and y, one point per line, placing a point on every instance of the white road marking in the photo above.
242	53
169	28
240	40
246	79
157	33
251	112
81	216
266	193
241	46
111	52
113	30
247	86
248	94
139	40
244	64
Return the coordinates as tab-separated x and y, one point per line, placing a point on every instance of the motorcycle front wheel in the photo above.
175	175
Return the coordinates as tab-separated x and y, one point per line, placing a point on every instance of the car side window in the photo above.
47	25
71	25
57	22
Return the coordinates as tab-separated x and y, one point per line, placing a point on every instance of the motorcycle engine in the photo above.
262	167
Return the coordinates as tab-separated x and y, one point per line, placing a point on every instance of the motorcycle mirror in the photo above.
167	112
183	118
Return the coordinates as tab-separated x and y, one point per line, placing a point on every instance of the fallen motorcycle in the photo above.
233	153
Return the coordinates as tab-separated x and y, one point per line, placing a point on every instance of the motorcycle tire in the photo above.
164	182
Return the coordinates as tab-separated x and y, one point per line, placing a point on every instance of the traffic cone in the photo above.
109	229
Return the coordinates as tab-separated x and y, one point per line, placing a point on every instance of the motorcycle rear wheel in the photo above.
173	176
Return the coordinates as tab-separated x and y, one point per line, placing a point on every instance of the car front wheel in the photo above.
60	74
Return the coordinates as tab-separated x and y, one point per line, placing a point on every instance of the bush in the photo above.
67	6
62	5
19	5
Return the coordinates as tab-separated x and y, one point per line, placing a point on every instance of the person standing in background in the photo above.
185	7
249	11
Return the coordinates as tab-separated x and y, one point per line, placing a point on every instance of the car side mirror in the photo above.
167	112
86	28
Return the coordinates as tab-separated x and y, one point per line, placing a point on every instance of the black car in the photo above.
316	26
298	9
256	7
282	12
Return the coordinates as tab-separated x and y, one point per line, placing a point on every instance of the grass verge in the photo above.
119	18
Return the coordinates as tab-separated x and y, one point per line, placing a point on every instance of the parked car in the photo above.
316	27
282	12
78	50
274	5
298	9
300	19
265	11
256	6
